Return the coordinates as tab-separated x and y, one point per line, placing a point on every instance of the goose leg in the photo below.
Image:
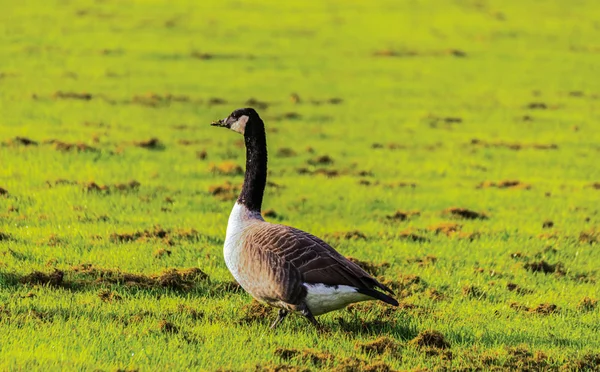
282	314
311	318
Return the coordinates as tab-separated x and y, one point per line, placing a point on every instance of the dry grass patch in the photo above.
544	267
228	168
379	346
464	213
587	304
430	339
255	312
506	184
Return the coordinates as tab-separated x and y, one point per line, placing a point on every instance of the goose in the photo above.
279	265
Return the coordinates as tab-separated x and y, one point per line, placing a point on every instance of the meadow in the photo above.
450	148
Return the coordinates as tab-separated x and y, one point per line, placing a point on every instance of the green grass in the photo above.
484	62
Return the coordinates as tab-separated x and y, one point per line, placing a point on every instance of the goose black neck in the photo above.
255	178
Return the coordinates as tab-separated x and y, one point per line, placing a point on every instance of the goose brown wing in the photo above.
315	260
267	275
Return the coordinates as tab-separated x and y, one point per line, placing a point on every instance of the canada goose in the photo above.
279	265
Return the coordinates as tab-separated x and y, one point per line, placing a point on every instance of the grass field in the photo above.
451	147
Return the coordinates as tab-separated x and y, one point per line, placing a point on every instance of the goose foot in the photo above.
282	314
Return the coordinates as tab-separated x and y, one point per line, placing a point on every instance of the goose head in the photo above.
241	120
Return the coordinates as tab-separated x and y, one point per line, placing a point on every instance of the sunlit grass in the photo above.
422	106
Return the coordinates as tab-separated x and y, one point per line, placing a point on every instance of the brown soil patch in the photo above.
587	304
176	279
3	192
225	192
190	311
72	95
401	184
348	235
109	296
379	346
315	357
545	267
227	168
519	307
430	339
595	185
166	235
518	255
23	141
473	292
255	312
320	171
590	236
513	287
378	309
202	154
359	365
514	146
465	213
547	224
521	359
327	172
167	327
67	147
213	101
435	295
589	362
52	241
390	146
413	53
94	187
446	228
286	116
159	253
321	160
405	285
54	278
408	234
156	100
402	216
370	267
179	278
395	53
541	309
545	309
150	144
132	185
423	261
506	184
286	152
253	102
273	368
537	105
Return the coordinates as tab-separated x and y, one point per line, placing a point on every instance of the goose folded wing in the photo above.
279	279
317	261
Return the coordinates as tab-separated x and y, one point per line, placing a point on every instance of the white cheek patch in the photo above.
240	125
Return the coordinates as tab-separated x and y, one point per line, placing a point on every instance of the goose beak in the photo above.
220	123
